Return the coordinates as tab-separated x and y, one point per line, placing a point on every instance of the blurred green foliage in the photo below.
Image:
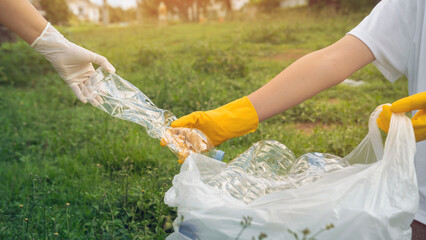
118	14
147	55
215	61
57	11
266	5
19	63
273	34
149	8
339	5
357	5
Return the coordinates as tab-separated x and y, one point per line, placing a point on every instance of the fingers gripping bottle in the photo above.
120	99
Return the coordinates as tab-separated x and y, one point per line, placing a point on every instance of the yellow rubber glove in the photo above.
411	103
231	120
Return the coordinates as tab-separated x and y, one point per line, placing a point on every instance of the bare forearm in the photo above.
310	75
21	17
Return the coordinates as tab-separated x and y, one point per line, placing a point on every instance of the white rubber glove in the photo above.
72	62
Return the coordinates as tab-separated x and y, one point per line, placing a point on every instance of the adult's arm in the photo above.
72	62
21	17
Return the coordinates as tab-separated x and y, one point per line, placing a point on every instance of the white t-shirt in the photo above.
395	31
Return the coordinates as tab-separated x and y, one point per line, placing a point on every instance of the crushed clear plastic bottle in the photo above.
119	98
269	166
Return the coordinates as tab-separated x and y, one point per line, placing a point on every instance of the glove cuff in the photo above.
41	35
247	109
240	116
49	41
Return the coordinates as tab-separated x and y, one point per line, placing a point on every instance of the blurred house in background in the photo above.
293	3
85	10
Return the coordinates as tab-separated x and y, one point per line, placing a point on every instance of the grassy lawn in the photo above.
55	150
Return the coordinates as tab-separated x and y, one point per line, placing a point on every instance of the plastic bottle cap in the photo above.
219	155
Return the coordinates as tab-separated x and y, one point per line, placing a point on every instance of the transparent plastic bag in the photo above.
375	197
122	100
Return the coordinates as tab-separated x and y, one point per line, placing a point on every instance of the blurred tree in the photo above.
266	5
183	6
201	8
228	6
57	11
117	14
6	35
149	8
346	5
105	13
325	3
357	5
139	10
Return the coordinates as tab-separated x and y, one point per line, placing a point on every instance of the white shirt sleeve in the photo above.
389	31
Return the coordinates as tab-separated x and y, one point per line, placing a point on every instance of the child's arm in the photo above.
310	75
303	79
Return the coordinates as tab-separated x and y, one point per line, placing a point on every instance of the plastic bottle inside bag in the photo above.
122	100
269	166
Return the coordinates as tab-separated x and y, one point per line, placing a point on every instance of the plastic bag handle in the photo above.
374	132
401	140
371	148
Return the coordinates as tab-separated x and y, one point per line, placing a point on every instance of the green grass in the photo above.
55	150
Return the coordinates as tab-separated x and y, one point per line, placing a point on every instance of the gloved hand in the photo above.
411	103
185	141
72	62
231	120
